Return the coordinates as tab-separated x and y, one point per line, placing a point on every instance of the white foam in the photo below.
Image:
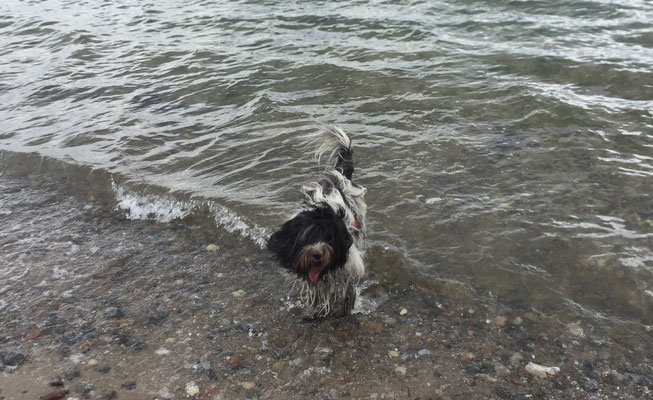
164	208
141	207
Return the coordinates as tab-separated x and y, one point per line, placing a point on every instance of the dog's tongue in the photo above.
314	274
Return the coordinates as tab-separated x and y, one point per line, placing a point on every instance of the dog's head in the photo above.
312	244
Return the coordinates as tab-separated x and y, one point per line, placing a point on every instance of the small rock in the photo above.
239	293
278	366
575	329
615	377
77	357
424	353
192	389
515	358
403	311
235	361
33	335
113	313
466	357
393	353
170	340
500	321
400	370
104	369
589	385
84	388
162	351
517	321
131	385
211	247
59	394
56	382
248	385
12	358
389	321
92	362
540	370
71	374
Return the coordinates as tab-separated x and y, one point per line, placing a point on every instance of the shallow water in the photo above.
507	146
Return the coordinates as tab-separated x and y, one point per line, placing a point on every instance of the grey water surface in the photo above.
507	146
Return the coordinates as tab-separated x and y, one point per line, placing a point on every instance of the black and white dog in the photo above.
323	243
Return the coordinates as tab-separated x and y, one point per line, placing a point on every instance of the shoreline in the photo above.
116	308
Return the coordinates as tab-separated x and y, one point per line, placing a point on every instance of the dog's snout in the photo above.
317	255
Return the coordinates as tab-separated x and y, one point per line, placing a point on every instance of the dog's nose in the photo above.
317	255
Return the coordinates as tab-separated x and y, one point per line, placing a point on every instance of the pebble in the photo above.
466	357
540	370
278	366
589	385
12	358
170	340
239	293
393	353
77	357
56	382
400	370
192	389
575	329
59	394
84	388
403	311
33	335
104	370
248	385
389	321
517	321
500	321
424	353
162	351
113	313
92	362
131	385
235	361
211	247
71	374
515	358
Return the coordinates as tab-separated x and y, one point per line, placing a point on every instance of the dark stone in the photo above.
12	358
640	380
242	327
56	382
156	317
131	385
589	385
113	313
138	345
71	374
104	369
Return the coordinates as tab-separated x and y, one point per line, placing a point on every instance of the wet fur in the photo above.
331	221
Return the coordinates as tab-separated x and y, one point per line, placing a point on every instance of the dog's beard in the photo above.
313	260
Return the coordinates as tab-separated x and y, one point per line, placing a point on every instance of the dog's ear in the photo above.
282	243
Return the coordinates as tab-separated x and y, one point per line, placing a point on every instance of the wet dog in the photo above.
323	242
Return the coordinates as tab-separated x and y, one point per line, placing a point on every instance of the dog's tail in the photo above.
336	147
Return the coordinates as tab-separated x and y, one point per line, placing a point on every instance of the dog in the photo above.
323	242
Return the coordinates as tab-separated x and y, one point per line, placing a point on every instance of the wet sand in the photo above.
106	307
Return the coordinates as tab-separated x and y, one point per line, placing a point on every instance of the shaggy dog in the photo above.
322	243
